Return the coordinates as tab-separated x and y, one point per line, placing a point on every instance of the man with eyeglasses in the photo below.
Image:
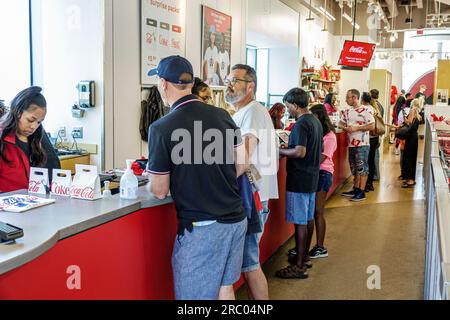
259	138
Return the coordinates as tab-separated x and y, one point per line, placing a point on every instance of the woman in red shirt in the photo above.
21	139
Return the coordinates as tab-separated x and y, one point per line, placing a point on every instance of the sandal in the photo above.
407	185
292	272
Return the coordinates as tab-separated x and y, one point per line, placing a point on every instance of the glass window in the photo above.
251	57
15	65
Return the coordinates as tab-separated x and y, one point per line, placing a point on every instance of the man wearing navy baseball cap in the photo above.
208	250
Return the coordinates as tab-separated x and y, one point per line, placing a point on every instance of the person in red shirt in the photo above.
21	139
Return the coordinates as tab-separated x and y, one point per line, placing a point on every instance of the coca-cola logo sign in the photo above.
356	54
83	193
62	190
34	186
358	50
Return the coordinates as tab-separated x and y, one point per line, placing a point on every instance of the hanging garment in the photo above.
151	110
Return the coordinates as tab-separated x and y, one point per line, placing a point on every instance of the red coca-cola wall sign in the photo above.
356	54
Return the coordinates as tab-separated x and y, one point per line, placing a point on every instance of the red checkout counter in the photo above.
112	249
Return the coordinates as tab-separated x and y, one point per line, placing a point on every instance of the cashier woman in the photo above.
23	142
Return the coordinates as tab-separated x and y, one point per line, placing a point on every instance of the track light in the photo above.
392	38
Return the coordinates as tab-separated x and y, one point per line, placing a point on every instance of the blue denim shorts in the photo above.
359	160
300	207
325	181
206	259
251	246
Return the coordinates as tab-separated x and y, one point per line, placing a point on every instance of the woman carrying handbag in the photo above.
409	133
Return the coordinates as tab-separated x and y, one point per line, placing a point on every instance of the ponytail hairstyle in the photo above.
321	113
26	100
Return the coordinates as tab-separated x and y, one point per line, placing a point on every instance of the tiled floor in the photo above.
387	231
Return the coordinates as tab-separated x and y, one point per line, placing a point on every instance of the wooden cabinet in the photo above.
69	162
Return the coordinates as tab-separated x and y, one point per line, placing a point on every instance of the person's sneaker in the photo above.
318	252
292	252
369	188
349	194
361	196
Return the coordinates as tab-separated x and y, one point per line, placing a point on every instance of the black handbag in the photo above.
402	133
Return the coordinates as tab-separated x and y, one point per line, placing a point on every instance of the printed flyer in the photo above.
162	33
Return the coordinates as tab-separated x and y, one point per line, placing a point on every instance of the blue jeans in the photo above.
251	246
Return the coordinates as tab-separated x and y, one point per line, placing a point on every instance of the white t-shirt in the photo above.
211	57
224	63
255	119
363	115
400	116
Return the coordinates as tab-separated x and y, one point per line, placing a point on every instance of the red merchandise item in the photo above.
14	175
137	169
394	93
289	128
258	202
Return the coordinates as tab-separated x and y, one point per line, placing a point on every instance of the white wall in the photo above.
122	54
69	49
15	52
271	24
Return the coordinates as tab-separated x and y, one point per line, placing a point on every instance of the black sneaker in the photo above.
361	196
292	252
318	252
369	188
349	194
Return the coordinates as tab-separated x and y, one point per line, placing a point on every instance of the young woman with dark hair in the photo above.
329	103
21	137
276	113
325	181
202	90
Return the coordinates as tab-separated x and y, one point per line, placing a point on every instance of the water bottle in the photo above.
129	184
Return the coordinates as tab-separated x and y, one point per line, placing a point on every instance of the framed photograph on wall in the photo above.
216	46
163	34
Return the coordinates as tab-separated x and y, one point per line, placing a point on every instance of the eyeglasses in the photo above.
233	81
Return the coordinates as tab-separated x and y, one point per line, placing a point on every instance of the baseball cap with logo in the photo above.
171	69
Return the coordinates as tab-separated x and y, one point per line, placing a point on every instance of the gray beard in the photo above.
233	99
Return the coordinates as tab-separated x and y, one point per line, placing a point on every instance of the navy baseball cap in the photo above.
171	68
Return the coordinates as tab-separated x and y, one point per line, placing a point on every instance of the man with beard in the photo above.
259	138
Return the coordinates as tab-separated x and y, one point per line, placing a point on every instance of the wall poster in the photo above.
162	33
216	46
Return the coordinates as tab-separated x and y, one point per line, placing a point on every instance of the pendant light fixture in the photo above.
310	9
325	19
